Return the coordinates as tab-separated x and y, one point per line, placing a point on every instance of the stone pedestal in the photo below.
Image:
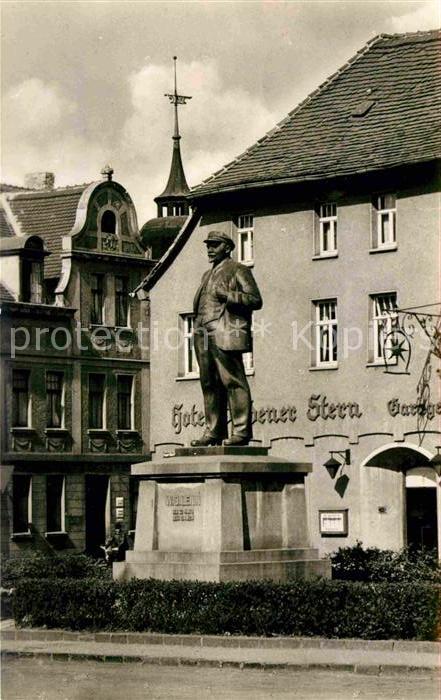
221	514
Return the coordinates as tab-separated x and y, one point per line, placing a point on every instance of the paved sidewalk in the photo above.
357	656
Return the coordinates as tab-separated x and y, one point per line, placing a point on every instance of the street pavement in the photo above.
43	679
42	664
362	660
356	655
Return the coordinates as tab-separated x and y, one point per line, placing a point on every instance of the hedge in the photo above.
371	564
38	565
299	608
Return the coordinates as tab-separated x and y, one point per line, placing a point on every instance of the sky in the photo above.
83	83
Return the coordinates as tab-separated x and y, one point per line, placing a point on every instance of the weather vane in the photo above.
176	100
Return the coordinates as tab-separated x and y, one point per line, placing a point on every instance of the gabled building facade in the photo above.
337	211
75	364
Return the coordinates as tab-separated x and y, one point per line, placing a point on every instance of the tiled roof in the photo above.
161	225
381	110
49	214
6	230
17	243
5	293
170	254
176	184
4	187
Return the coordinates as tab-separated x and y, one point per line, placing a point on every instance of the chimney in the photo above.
39	181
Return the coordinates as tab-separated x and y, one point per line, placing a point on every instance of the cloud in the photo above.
217	124
426	16
44	130
72	111
35	108
41	131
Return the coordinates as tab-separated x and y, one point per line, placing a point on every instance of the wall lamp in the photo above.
333	465
436	461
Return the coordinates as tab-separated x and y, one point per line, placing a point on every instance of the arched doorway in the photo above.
401	498
421	508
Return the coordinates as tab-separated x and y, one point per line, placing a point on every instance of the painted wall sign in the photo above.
399	408
318	407
194	417
183	419
274	415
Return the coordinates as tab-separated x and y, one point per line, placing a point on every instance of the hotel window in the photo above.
245	242
383	310
189	366
32	281
97	301
124	389
326	230
55	503
96	401
21	502
384	221
325	333
54	399
20	398
121	302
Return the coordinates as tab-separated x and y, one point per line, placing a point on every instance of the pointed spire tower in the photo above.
173	208
172	201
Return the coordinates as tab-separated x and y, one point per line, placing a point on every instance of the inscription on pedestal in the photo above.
183	500
183	514
180	516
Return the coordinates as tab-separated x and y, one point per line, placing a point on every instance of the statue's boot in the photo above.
236	441
206	441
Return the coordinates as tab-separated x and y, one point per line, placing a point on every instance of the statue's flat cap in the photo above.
220	236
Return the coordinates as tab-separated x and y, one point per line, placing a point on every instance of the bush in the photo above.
36	565
74	604
306	608
5	603
375	565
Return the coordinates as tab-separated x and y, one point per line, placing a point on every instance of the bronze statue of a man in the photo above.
223	306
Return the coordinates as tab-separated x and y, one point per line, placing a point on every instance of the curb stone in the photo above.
364	669
373	657
242	642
